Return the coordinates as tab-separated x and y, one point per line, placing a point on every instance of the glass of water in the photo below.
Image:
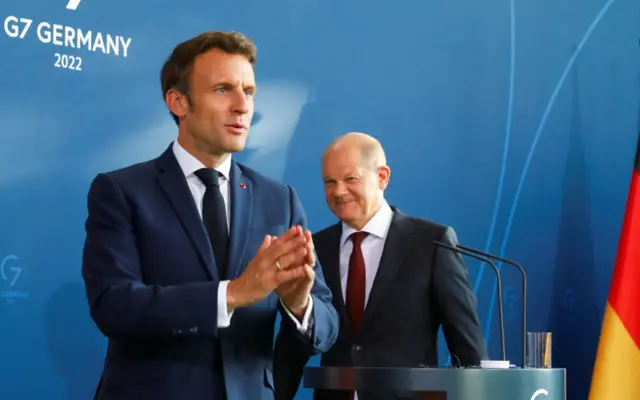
538	350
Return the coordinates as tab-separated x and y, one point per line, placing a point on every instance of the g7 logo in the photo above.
10	274
538	393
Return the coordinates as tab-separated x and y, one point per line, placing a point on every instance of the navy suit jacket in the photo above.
152	285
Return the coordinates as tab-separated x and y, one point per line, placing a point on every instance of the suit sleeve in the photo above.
323	322
121	305
457	305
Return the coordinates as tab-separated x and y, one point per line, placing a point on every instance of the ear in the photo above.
384	173
177	103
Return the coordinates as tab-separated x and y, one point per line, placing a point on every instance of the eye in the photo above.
221	90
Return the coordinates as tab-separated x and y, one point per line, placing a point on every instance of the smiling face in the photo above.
216	115
353	184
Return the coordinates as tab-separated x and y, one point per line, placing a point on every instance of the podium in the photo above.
443	383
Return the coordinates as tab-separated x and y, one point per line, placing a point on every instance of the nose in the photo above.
241	104
339	190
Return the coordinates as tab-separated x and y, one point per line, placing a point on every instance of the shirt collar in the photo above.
189	164
378	225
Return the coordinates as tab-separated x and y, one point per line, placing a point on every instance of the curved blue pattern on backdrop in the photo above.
507	137
430	80
532	150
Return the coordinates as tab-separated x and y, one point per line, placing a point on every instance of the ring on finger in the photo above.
278	265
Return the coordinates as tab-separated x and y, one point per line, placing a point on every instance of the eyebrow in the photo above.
347	176
230	84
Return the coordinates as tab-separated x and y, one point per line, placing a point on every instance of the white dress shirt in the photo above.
189	165
372	246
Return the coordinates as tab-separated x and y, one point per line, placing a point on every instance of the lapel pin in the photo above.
242	185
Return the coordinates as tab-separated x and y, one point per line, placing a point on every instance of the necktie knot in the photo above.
209	176
357	237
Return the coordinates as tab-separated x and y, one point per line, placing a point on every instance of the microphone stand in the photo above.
498	280
524	294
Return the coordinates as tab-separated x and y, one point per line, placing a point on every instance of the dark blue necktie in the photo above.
214	216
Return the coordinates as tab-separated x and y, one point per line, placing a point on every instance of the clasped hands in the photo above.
282	264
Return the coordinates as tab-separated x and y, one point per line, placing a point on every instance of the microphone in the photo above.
524	294
498	280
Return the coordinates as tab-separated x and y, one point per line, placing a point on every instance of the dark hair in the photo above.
176	71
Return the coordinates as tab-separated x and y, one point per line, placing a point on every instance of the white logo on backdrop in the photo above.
280	105
9	275
539	392
67	38
73	4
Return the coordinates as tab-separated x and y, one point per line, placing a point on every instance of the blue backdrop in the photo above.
515	121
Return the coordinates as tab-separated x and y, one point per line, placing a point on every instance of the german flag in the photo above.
616	373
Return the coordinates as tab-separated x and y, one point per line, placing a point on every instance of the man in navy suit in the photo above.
189	257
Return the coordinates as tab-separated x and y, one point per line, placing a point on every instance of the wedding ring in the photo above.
278	266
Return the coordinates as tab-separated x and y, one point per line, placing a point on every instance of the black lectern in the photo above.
444	383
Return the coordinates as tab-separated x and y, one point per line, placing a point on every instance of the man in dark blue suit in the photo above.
189	257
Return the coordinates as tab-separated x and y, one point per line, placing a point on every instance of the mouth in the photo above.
237	127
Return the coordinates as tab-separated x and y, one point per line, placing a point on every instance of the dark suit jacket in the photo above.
417	289
152	286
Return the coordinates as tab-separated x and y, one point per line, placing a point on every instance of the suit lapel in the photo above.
391	261
241	208
331	268
174	185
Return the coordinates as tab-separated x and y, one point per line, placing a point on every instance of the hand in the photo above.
262	275
295	293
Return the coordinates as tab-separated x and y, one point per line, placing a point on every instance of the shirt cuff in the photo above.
304	326
224	317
